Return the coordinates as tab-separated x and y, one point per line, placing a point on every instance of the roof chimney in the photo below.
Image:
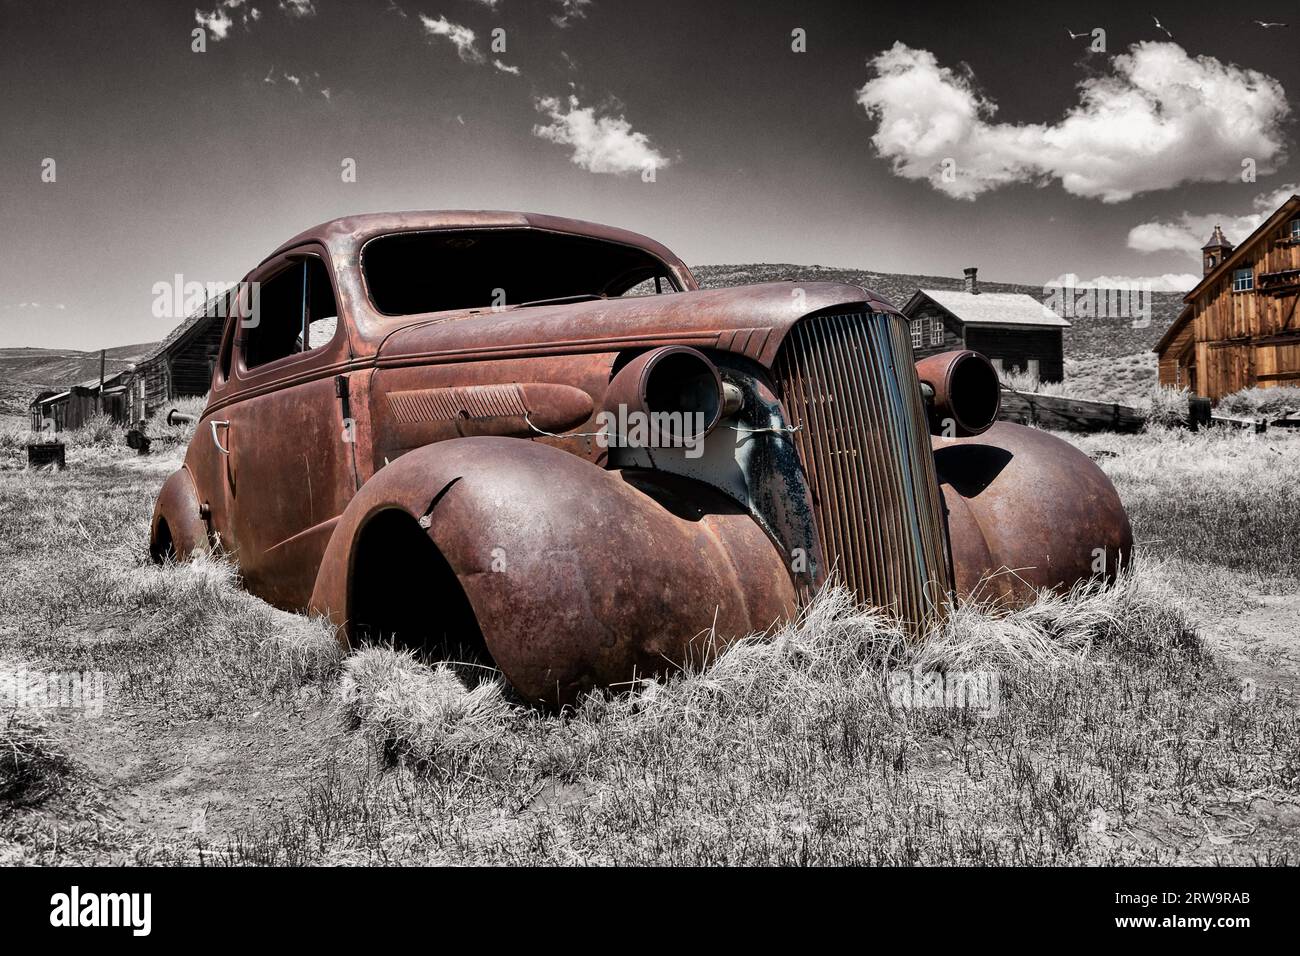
972	280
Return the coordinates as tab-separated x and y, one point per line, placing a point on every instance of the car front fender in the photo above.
1026	511
578	577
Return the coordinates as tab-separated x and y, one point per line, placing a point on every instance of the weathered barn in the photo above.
1240	325
181	365
1016	331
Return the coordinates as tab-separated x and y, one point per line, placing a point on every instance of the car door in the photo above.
290	467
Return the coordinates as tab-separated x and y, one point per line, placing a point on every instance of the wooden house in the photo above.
1240	326
1015	331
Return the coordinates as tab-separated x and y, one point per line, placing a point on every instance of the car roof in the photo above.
356	230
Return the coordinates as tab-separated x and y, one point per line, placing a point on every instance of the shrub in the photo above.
180	433
1267	403
1165	406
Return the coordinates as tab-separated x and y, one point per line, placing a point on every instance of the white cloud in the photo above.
298	8
504	68
1166	282
1189	231
218	21
570	10
461	37
605	144
1159	118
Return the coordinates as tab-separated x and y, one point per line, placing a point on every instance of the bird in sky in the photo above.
1269	26
1075	36
1161	26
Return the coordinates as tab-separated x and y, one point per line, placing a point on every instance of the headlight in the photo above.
675	386
963	390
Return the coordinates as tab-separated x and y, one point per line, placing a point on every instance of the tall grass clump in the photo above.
165	435
31	760
423	716
1269	404
1165	406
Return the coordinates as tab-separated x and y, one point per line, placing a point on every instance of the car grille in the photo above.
850	388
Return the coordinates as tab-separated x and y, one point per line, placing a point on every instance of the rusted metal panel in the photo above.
580	577
1028	511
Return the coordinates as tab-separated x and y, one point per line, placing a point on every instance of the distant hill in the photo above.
1088	338
25	372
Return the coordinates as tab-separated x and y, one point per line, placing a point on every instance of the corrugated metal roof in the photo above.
996	308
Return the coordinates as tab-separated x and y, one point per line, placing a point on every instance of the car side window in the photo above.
294	311
656	285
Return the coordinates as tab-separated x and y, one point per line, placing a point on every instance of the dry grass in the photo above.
787	749
31	760
1127	379
1269	404
165	435
1165	407
1222	497
422	716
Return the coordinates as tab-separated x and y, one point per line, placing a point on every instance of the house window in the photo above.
917	326
1243	280
1295	229
936	332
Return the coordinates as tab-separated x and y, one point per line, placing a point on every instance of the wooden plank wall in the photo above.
1015	347
1247	338
1172	374
928	315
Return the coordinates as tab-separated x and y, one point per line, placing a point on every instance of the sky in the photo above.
911	137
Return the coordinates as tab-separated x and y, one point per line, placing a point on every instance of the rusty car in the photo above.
418	428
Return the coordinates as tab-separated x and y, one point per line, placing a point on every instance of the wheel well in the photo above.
161	546
405	594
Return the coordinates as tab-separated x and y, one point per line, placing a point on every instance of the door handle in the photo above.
217	441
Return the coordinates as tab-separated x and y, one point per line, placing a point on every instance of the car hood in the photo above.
751	320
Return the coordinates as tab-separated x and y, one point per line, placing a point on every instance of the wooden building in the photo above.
75	406
1240	326
180	365
1016	331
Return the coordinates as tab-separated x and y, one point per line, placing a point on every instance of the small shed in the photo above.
1015	331
74	406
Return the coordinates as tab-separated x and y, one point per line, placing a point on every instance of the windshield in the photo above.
416	272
